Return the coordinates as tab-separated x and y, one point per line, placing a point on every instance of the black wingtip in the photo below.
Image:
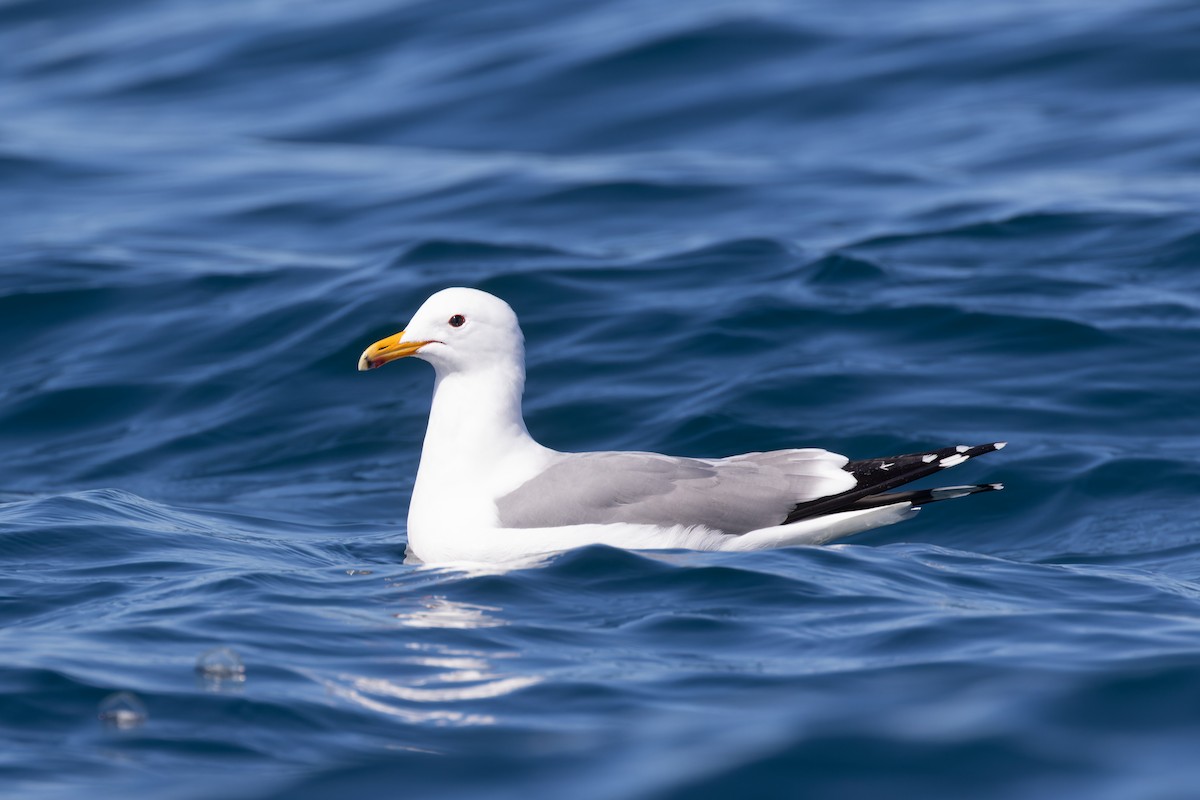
877	476
923	497
880	474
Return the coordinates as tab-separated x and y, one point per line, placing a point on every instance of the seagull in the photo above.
487	492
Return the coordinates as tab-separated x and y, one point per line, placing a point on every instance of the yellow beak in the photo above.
386	350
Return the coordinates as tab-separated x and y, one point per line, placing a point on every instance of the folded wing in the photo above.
732	495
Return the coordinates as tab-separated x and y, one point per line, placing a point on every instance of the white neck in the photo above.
473	413
476	449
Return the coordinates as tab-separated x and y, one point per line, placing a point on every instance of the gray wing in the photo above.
733	495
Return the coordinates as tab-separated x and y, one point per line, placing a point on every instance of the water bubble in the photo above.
220	666
122	711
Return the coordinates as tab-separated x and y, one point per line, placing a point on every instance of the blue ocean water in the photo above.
727	226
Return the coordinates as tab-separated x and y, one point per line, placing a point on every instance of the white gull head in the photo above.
456	330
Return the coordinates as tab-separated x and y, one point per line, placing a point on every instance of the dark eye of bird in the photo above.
457	320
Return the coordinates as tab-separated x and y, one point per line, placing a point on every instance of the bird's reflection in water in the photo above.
435	673
438	612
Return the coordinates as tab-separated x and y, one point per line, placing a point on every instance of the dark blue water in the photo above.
727	226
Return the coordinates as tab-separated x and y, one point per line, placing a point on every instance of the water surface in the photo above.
726	227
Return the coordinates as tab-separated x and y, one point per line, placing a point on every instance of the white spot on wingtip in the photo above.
1000	445
996	486
928	458
950	461
962	448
